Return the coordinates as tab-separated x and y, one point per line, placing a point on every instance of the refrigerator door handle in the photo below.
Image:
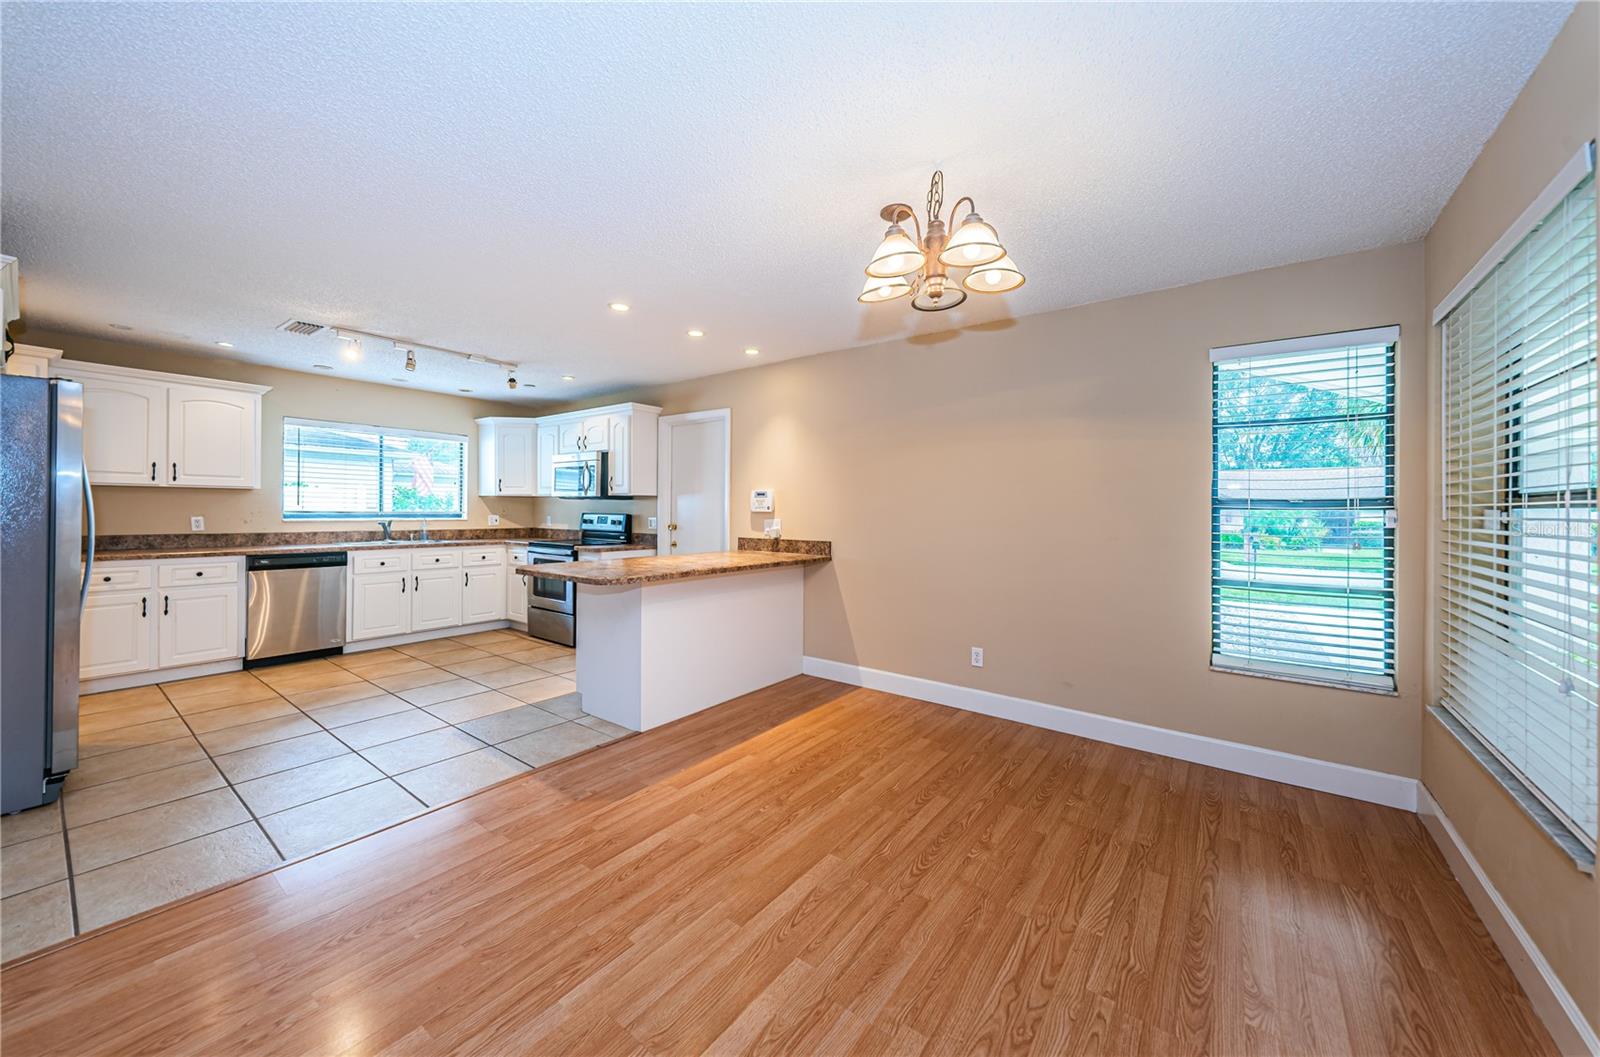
88	558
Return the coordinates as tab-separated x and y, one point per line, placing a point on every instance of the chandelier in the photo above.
924	267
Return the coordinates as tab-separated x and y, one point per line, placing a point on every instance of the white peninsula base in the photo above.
652	653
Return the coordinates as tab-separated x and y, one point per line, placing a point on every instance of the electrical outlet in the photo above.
197	524
977	656
650	522
773	527
494	519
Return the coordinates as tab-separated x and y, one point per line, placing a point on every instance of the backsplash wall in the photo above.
128	510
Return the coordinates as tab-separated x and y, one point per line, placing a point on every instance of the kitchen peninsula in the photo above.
663	637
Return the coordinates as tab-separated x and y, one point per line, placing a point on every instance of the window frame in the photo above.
1512	497
381	432
1386	684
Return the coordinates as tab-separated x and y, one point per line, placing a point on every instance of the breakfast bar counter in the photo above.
660	638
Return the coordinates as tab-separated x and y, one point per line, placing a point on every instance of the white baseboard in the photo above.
1551	1000
1377	787
158	675
424	636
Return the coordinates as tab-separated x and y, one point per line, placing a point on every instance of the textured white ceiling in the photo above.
488	177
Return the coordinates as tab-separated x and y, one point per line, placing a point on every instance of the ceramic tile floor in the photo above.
188	785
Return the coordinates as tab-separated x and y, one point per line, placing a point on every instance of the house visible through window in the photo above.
1302	503
332	470
1518	584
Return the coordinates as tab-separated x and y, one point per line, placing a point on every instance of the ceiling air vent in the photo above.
301	327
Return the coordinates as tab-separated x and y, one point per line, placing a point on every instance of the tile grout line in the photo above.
229	781
66	851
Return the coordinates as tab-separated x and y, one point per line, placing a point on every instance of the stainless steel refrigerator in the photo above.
44	498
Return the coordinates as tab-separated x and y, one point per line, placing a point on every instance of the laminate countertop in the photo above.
325	548
620	572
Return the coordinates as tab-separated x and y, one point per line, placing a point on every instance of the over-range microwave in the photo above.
581	476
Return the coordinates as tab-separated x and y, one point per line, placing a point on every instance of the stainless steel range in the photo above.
553	604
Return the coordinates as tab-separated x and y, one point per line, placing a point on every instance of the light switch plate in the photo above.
650	522
197	524
494	519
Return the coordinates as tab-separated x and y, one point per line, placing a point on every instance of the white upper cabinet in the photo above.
569	436
546	441
125	431
631	464
155	429
620	464
506	456
597	433
213	437
516	456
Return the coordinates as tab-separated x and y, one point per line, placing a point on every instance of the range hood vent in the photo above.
301	327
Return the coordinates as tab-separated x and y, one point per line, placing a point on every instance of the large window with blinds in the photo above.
1517	604
1302	509
338	471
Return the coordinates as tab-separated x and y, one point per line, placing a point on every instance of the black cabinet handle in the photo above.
463	579
144	605
199	572
174	471
416	583
166	604
105	579
402	585
152	471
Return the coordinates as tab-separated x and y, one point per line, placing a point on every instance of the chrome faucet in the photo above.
387	534
424	536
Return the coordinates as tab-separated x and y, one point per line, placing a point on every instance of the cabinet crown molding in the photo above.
68	368
568	416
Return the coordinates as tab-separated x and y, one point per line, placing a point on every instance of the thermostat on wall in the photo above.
761	501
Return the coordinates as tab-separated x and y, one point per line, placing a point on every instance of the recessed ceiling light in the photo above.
119	326
323	366
752	351
226	344
617	306
697	333
568	378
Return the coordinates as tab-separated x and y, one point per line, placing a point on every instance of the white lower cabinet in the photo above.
198	625
516	587
118	634
435	599
428	589
149	616
380	605
483	594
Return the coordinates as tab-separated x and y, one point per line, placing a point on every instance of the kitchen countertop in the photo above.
663	569
324	548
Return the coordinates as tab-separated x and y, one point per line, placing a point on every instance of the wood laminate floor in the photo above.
815	869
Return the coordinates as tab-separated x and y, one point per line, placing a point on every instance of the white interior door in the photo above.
693	512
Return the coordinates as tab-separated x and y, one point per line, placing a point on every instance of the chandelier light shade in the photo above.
896	255
884	289
929	267
994	278
974	243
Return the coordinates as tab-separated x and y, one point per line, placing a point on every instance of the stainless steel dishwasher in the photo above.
295	606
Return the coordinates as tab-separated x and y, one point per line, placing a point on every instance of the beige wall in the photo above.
1557	112
294	394
1042	489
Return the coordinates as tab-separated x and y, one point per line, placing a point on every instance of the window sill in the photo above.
1304	680
1526	799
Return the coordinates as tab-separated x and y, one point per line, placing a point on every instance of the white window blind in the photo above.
333	470
1302	492
1518	589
